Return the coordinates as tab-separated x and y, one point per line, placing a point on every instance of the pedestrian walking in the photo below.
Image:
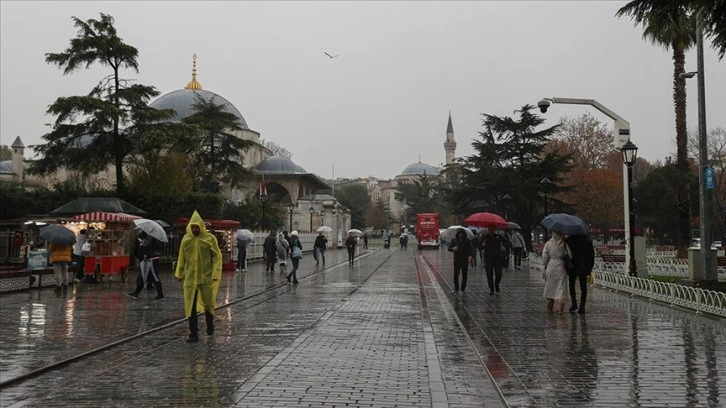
475	243
199	268
321	243
147	255
60	257
242	245
494	249
554	274
350	244
464	254
269	248
78	257
517	247
365	240
295	256
583	259
282	249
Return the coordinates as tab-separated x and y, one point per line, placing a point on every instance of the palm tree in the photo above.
672	24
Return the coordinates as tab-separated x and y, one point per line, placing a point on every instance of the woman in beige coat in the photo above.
554	274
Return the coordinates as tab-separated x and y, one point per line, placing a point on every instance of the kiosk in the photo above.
225	231
109	236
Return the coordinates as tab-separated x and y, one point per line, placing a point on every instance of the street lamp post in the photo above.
337	223
505	200
621	133
322	217
311	210
291	207
704	171
263	199
630	152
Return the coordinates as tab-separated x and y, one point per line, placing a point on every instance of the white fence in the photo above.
612	276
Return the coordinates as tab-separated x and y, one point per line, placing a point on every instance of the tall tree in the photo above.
218	155
511	160
355	197
5	153
421	195
672	24
97	129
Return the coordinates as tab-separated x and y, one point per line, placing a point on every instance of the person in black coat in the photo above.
494	247
270	249
463	255
583	258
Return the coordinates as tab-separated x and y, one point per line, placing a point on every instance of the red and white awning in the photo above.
106	216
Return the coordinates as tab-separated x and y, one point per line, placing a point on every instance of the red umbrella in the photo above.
484	219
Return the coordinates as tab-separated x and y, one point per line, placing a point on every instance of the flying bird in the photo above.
331	56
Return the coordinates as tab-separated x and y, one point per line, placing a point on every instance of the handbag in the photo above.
297	252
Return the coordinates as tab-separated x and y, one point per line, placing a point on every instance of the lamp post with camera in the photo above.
705	172
322	217
621	132
263	199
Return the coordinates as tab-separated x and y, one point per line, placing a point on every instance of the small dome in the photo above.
6	166
279	165
419	169
182	101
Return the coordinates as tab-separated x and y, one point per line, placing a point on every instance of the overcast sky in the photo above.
384	102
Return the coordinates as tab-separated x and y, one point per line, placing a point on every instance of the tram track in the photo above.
14	381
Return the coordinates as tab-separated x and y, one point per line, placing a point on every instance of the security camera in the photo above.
543	105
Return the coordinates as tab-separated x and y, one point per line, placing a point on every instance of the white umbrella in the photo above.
449	233
324	228
355	232
153	228
245	235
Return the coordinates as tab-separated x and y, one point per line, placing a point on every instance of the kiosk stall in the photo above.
225	231
109	236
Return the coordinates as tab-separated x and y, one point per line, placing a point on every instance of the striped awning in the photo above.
106	216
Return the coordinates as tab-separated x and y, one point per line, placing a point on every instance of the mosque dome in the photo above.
279	165
419	169
6	166
182	100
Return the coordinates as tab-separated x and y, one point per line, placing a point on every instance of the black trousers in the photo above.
152	277
583	288
271	260
494	274
193	320
517	256
463	269
351	255
241	258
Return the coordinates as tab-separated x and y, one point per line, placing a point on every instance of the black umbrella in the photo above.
58	235
565	224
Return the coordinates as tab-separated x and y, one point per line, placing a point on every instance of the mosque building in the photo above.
287	183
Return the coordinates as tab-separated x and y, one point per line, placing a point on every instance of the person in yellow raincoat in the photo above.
199	267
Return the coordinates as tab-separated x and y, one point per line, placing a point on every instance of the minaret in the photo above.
17	159
194	84
450	144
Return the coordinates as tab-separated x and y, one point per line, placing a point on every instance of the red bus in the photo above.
427	230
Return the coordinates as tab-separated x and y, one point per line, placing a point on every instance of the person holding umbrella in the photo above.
494	247
350	244
147	253
321	243
61	241
463	255
517	246
583	258
554	274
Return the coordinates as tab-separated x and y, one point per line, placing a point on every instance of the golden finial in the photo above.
194	84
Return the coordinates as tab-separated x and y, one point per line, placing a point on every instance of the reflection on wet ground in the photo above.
386	331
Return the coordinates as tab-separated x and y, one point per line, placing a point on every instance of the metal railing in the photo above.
699	299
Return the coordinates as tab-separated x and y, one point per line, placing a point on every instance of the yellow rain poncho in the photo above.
199	266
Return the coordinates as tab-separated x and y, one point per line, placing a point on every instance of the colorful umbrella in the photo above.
485	219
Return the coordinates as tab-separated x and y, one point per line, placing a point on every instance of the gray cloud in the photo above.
385	100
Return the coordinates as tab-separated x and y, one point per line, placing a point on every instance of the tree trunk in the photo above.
118	144
679	101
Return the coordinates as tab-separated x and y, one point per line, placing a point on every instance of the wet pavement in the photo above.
386	332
